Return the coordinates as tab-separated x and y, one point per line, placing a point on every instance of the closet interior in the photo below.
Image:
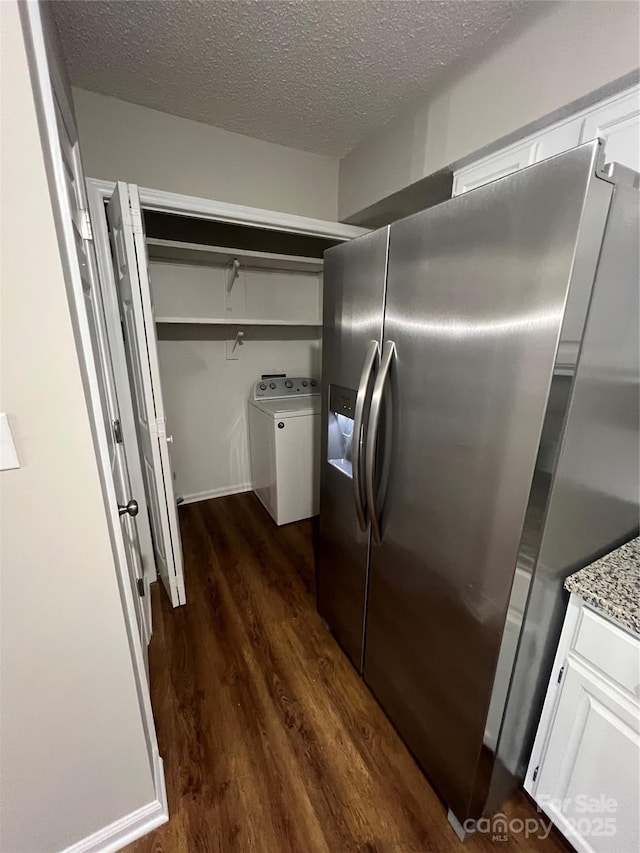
231	304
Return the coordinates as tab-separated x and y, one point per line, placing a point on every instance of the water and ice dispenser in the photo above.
342	404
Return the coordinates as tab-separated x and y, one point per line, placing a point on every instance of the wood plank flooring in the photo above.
271	742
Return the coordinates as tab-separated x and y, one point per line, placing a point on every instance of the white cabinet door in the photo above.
491	168
554	140
588	782
533	149
617	121
134	295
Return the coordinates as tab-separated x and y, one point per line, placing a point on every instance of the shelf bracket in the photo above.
238	341
232	273
232	346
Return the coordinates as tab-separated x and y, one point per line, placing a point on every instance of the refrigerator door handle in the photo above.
370	361
372	437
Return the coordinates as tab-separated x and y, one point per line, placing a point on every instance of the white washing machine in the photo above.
284	433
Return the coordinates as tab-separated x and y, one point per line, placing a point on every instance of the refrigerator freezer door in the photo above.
354	290
475	301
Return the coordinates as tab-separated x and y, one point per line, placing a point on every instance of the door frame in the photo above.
99	192
45	77
160	201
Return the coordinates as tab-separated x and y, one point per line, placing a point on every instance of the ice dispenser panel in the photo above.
342	403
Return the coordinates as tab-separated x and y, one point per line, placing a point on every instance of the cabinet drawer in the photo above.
610	650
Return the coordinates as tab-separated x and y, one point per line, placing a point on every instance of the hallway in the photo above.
271	742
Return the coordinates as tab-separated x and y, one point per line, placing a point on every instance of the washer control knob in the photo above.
280	424
262	386
314	382
304	383
288	384
272	385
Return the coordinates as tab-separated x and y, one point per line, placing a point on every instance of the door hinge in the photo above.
535	773
140	585
117	431
158	428
136	221
85	225
560	674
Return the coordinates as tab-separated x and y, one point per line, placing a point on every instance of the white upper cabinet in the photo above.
503	163
616	120
528	151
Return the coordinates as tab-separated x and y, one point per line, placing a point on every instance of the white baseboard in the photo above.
159	781
215	493
122	832
129	828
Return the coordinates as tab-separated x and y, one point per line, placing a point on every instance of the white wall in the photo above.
206	395
207	407
72	746
570	52
122	141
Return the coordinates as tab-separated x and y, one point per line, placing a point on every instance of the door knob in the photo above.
128	509
169	439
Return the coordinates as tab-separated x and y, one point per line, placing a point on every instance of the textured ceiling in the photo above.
308	74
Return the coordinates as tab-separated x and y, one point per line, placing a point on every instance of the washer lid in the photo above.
290	407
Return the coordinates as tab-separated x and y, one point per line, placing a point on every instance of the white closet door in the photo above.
72	178
132	273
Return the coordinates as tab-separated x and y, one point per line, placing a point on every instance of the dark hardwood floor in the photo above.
271	742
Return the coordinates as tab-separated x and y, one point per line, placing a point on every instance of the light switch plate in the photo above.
231	351
8	455
232	348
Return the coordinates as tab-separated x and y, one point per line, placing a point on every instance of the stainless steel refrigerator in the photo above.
480	443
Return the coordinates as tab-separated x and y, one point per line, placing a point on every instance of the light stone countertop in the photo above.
612	585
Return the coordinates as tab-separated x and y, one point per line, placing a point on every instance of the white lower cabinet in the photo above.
585	765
